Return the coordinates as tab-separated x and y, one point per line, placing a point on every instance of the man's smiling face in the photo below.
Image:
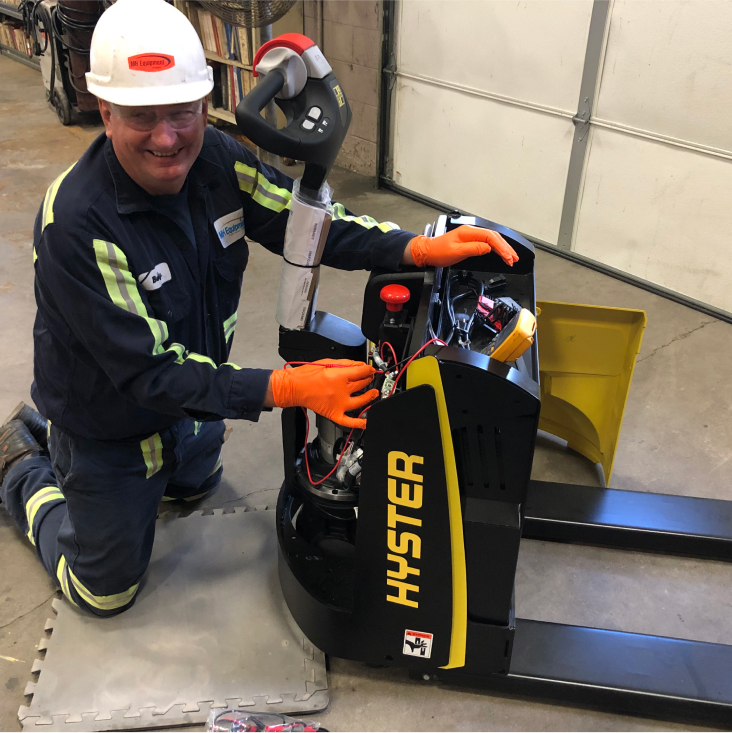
156	145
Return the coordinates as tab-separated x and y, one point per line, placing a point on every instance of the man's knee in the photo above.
82	595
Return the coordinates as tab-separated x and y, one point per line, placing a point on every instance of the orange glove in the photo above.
326	387
458	245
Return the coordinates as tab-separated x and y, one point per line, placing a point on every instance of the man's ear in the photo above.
105	110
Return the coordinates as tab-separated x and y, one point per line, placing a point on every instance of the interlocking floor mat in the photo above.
210	629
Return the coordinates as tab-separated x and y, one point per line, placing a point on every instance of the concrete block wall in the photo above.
352	45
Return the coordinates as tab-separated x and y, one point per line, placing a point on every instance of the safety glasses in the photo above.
146	119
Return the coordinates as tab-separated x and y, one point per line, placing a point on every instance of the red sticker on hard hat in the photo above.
151	62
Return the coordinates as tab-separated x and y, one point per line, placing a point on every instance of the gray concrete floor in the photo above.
676	438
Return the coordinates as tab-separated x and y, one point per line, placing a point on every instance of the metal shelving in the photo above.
221	114
10	10
231	62
31	61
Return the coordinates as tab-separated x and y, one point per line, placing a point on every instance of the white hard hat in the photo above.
145	52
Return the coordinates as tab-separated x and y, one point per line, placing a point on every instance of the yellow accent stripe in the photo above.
229	327
62	574
41	497
427	371
184	354
186	498
199	357
196	426
261	190
196	497
339	214
180	350
35	256
152	452
51	197
123	291
105	603
218	465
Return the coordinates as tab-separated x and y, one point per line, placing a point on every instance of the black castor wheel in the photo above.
63	107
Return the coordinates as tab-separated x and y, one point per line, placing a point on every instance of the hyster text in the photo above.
404	543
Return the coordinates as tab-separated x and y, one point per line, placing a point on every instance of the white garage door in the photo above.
484	96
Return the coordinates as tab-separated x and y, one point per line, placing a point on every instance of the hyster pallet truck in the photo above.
398	546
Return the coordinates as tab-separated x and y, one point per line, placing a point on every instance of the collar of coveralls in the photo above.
131	197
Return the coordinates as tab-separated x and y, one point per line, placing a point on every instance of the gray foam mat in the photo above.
210	629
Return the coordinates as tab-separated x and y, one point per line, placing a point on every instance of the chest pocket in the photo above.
232	263
166	294
228	285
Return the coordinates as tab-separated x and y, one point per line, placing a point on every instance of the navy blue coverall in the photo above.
132	338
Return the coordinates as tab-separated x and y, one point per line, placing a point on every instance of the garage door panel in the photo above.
668	69
659	212
533	51
505	163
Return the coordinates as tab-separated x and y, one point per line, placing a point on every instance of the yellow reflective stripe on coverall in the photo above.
229	327
152	452
62	574
122	288
47	217
105	603
219	463
50	493
339	214
266	194
123	291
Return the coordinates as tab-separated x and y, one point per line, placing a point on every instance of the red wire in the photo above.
307	421
327	366
348	439
343	450
416	354
393	353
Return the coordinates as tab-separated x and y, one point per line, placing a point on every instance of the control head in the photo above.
395	296
294	73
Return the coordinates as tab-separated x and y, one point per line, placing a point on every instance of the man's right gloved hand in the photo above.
457	245
325	387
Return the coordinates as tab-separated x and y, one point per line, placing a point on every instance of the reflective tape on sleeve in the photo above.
339	214
152	453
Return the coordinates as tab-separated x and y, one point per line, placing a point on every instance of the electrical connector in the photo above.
388	386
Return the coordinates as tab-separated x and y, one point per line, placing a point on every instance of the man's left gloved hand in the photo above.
456	246
326	387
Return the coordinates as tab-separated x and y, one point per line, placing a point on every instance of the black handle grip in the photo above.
255	127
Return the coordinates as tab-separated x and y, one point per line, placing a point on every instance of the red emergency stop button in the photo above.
395	296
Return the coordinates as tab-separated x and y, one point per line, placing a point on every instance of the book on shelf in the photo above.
13	35
230	42
244	45
231	85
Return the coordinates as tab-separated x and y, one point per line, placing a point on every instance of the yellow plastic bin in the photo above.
587	355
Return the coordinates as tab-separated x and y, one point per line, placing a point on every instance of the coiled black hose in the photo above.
56	23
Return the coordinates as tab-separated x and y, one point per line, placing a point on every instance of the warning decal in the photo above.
418	644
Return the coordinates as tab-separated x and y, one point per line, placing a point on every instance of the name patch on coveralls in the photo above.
156	278
230	227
